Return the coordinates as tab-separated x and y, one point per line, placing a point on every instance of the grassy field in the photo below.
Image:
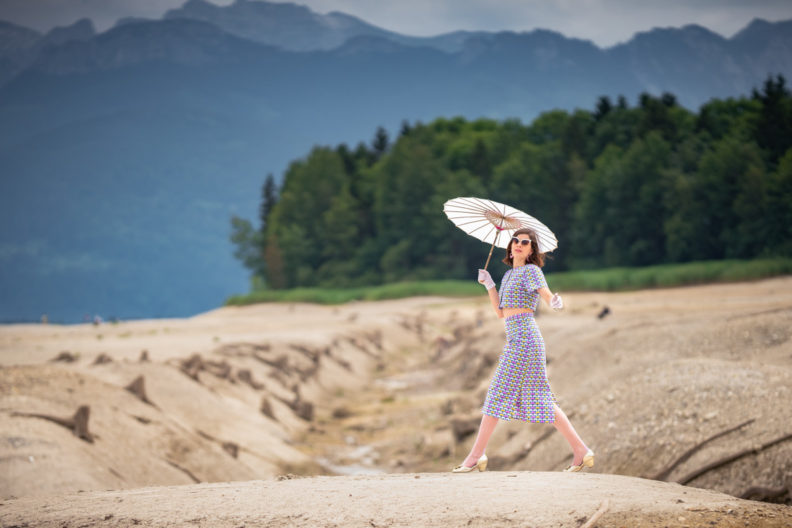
611	279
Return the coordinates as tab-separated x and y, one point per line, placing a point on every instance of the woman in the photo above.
519	389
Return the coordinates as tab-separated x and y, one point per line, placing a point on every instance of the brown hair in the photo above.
535	257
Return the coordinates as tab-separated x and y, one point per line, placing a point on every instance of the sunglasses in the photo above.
524	241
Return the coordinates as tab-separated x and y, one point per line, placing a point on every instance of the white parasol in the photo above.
494	223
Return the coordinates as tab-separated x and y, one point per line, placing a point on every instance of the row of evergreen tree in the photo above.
619	186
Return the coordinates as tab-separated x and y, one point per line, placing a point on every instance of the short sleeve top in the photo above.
520	287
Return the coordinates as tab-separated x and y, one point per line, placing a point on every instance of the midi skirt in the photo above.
520	389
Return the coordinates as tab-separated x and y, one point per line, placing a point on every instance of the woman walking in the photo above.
520	390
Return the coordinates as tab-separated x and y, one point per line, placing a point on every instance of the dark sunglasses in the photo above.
524	241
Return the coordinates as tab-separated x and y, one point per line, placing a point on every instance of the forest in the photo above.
619	185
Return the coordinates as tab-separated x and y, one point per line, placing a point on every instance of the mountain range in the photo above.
124	154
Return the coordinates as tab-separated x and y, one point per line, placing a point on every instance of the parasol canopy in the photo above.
494	222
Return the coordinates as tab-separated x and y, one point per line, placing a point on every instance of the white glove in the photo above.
486	279
556	303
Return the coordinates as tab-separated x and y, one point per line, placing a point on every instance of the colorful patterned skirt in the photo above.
520	390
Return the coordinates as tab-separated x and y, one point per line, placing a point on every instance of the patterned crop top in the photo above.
520	287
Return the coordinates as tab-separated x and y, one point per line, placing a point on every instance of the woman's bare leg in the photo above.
486	428
564	426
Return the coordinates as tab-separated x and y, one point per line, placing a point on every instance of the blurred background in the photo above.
158	157
163	162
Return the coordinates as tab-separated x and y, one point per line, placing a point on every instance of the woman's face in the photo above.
521	248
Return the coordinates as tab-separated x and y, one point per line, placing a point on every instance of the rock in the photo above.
77	423
341	412
304	410
101	359
462	427
231	448
245	376
138	388
266	408
192	366
65	357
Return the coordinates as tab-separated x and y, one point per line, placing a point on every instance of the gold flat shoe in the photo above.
481	465
588	461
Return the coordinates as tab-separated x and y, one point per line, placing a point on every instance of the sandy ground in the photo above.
389	394
489	499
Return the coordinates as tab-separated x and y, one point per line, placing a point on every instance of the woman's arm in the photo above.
548	296
485	279
493	295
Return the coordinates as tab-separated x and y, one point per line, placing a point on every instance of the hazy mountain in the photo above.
691	61
698	64
762	45
83	29
288	26
131	20
124	154
20	47
14	38
297	28
177	42
16	49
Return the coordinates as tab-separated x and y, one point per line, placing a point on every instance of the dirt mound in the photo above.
489	499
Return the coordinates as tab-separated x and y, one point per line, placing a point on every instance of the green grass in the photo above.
611	279
668	275
396	290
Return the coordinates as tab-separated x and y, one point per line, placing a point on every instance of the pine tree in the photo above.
604	106
380	143
269	197
774	126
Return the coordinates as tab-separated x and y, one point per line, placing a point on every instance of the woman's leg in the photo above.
486	428
564	426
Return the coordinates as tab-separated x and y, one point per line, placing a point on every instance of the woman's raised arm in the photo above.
486	279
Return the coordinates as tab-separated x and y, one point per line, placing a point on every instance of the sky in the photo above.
605	22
